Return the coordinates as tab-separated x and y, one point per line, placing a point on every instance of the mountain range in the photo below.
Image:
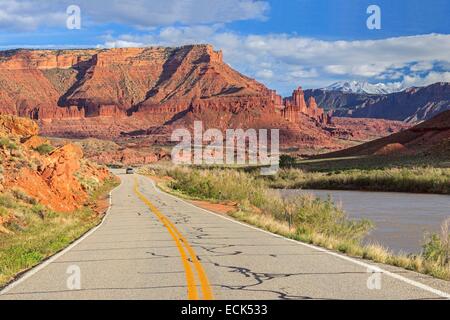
411	105
364	87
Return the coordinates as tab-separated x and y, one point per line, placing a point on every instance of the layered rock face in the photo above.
117	92
145	93
49	84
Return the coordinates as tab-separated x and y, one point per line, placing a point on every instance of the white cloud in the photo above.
31	14
298	73
432	77
282	61
265	74
121	44
422	66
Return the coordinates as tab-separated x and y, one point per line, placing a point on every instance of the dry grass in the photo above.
33	232
415	179
303	218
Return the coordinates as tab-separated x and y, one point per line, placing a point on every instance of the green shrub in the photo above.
20	195
7	201
312	214
416	179
286	161
437	248
3	212
89	184
44	149
8	143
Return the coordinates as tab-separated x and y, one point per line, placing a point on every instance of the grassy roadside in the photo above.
303	218
401	173
414	179
35	232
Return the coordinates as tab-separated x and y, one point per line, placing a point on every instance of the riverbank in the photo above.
304	218
401	219
413	179
38	232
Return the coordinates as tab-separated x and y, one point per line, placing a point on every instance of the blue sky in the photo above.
281	43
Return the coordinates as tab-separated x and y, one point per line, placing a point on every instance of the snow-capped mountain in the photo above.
412	104
364	87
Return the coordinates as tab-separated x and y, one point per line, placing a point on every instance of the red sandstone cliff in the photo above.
148	91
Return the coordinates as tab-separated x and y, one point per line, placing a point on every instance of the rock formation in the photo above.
54	179
147	92
296	105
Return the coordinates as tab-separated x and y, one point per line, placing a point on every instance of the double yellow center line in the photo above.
188	255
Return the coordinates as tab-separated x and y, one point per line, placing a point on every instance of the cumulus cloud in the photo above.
281	61
284	61
265	74
31	14
422	66
432	77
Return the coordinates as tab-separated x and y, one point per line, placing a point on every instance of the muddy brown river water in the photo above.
401	219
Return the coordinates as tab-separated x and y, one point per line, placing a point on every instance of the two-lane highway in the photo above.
152	245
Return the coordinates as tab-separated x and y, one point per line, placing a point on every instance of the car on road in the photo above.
130	171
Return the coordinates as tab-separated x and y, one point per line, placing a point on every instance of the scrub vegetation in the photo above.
304	217
31	232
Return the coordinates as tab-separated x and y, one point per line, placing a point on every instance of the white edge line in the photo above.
366	265
48	261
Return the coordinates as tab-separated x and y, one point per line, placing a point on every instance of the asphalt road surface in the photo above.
152	245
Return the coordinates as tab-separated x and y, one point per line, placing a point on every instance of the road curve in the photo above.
152	245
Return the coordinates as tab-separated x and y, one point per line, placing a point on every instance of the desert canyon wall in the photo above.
111	93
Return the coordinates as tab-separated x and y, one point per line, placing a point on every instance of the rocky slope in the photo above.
147	92
364	129
58	178
110	153
411	105
431	137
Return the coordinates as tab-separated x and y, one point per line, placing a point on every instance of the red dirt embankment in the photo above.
58	178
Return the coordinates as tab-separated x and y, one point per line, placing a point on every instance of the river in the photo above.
400	219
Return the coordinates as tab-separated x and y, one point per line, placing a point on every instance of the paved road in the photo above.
154	246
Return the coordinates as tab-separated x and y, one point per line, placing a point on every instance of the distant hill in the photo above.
410	105
429	137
